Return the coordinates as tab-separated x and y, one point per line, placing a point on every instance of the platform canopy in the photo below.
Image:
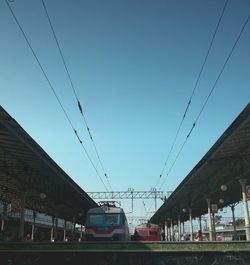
27	173
220	169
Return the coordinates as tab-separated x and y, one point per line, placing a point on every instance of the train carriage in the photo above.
106	222
147	232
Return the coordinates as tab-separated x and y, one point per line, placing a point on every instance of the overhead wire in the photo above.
206	100
54	92
193	91
74	91
209	95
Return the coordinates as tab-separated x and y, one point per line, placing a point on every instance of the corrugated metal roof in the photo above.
224	164
25	168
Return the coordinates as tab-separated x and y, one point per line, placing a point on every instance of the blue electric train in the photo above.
106	222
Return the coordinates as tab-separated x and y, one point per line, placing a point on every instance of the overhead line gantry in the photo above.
130	194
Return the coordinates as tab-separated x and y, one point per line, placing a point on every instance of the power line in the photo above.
193	91
74	90
53	90
205	60
222	69
209	95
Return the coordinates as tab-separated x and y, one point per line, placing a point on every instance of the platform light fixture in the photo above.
223	187
43	195
221	201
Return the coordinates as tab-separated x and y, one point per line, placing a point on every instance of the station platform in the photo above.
126	253
129	246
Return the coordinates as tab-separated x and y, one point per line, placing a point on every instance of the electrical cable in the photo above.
193	91
209	95
205	59
53	90
74	90
204	104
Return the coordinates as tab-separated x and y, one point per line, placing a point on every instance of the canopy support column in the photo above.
245	207
200	226
22	211
235	237
179	228
33	225
52	230
56	228
4	215
172	231
166	230
209	219
191	225
64	230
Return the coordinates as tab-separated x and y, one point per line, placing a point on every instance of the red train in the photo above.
147	232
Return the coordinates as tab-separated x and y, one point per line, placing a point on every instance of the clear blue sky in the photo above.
134	64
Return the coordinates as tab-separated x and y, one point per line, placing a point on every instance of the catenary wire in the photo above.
53	90
205	59
193	91
204	104
74	90
209	95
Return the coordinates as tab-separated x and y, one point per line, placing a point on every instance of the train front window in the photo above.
143	233
102	219
153	232
95	219
111	219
